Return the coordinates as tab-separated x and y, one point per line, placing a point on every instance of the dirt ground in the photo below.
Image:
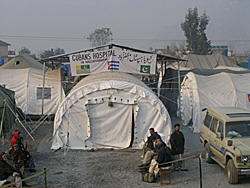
115	169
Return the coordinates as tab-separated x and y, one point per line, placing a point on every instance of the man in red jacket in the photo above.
14	138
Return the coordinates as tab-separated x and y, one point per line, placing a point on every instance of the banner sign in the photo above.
112	60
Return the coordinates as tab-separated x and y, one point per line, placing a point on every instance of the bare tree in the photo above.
51	52
100	37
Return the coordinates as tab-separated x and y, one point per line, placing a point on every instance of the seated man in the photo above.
163	155
6	170
149	147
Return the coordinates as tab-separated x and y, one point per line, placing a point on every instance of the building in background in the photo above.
3	52
223	50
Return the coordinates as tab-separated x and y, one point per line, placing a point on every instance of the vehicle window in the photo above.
238	129
214	124
220	129
207	120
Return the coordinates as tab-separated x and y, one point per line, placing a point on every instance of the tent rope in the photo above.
39	124
168	99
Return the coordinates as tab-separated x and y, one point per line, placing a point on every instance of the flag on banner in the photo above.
145	69
113	63
82	68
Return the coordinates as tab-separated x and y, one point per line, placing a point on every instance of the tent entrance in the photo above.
110	125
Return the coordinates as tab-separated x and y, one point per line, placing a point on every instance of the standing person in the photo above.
177	142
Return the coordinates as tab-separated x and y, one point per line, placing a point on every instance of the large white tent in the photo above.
28	86
109	110
218	90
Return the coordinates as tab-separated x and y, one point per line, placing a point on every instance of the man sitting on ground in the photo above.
149	147
163	155
20	155
6	170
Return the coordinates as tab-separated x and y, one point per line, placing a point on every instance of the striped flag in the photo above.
113	63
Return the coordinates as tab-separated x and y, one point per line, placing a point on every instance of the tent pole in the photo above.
43	87
2	119
179	85
20	122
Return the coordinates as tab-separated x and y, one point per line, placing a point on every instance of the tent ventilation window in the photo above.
39	93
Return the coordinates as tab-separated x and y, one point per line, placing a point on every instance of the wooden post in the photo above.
45	178
200	171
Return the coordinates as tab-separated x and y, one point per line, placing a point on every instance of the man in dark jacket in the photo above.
162	152
163	155
5	169
177	142
153	136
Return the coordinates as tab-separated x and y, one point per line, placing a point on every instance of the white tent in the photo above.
109	110
28	83
219	90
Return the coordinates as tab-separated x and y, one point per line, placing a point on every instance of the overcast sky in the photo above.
133	22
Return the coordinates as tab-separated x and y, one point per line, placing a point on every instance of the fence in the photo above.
193	156
42	173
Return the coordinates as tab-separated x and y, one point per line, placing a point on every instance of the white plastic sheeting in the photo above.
100	110
219	90
25	83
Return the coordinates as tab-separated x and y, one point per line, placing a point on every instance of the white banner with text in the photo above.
119	60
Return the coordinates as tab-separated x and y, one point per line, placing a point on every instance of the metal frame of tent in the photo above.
15	114
163	60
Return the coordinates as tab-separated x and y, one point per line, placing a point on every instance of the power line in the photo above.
71	38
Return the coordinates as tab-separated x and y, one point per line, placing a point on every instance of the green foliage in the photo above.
100	37
194	28
51	52
24	51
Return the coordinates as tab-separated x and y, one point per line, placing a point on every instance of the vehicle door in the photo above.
205	129
219	141
213	137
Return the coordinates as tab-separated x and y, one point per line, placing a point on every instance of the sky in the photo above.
136	23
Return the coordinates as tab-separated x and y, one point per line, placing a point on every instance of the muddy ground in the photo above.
118	169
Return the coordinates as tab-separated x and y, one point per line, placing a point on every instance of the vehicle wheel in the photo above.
232	173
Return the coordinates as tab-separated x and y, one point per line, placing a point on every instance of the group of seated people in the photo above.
16	160
157	154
